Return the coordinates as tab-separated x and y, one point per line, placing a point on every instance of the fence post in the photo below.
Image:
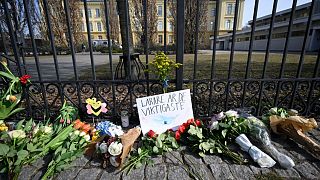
180	43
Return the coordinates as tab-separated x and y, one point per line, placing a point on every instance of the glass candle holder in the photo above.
124	118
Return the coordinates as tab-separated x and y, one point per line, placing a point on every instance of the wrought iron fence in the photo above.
44	97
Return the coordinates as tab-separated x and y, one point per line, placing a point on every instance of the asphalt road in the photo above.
66	70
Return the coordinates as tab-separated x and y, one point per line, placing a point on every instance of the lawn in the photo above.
222	66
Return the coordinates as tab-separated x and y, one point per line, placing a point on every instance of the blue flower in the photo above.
165	83
103	128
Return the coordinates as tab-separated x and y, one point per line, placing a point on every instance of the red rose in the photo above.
151	134
182	128
24	79
198	122
190	121
177	135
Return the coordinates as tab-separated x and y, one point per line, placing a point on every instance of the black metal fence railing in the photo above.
44	96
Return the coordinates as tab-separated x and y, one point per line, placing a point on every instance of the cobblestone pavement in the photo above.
173	166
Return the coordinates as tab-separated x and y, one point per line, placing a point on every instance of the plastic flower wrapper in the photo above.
260	133
264	160
110	129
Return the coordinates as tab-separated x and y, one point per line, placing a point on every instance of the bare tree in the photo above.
190	11
113	20
59	24
19	20
139	20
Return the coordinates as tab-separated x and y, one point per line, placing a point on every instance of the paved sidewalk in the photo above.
172	166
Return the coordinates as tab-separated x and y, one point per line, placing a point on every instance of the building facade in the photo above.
279	33
225	21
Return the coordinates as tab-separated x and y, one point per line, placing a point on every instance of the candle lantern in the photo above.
124	118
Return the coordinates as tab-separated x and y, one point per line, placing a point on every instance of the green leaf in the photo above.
138	164
224	132
19	124
66	155
158	142
4	149
30	147
224	125
12	153
155	149
22	154
4	170
139	151
175	144
162	137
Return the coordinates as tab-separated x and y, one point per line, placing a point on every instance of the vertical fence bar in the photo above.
35	54
235	22
303	51
146	43
196	49
19	44
213	60
284	57
74	61
180	43
129	52
165	27
89	39
12	36
315	75
106	14
266	57
52	44
253	27
3	42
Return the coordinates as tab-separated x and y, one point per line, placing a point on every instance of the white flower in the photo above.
36	130
273	110
47	129
87	137
82	134
115	148
77	132
103	147
220	116
214	125
8	97
232	113
16	134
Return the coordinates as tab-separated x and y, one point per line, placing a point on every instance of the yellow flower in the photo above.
94	138
3	128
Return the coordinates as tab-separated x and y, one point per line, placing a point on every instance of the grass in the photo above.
221	67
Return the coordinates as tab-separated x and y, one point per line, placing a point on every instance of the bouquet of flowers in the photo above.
114	145
259	132
222	129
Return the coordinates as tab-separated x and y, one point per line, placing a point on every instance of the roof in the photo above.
283	12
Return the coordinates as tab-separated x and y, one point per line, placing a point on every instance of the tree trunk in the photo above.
127	42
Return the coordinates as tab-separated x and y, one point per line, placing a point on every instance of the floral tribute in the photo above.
95	107
113	144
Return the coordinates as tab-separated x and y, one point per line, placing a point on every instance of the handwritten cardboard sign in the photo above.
164	111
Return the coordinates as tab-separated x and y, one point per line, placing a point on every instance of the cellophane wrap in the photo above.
256	154
259	132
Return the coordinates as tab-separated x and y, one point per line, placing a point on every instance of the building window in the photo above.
90	26
97	13
170	26
99	26
228	24
160	25
89	12
160	39
213	12
230	9
170	38
212	25
159	13
81	13
99	37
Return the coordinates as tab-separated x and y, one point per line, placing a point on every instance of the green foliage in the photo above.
8	108
67	114
12	80
164	142
274	111
162	66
